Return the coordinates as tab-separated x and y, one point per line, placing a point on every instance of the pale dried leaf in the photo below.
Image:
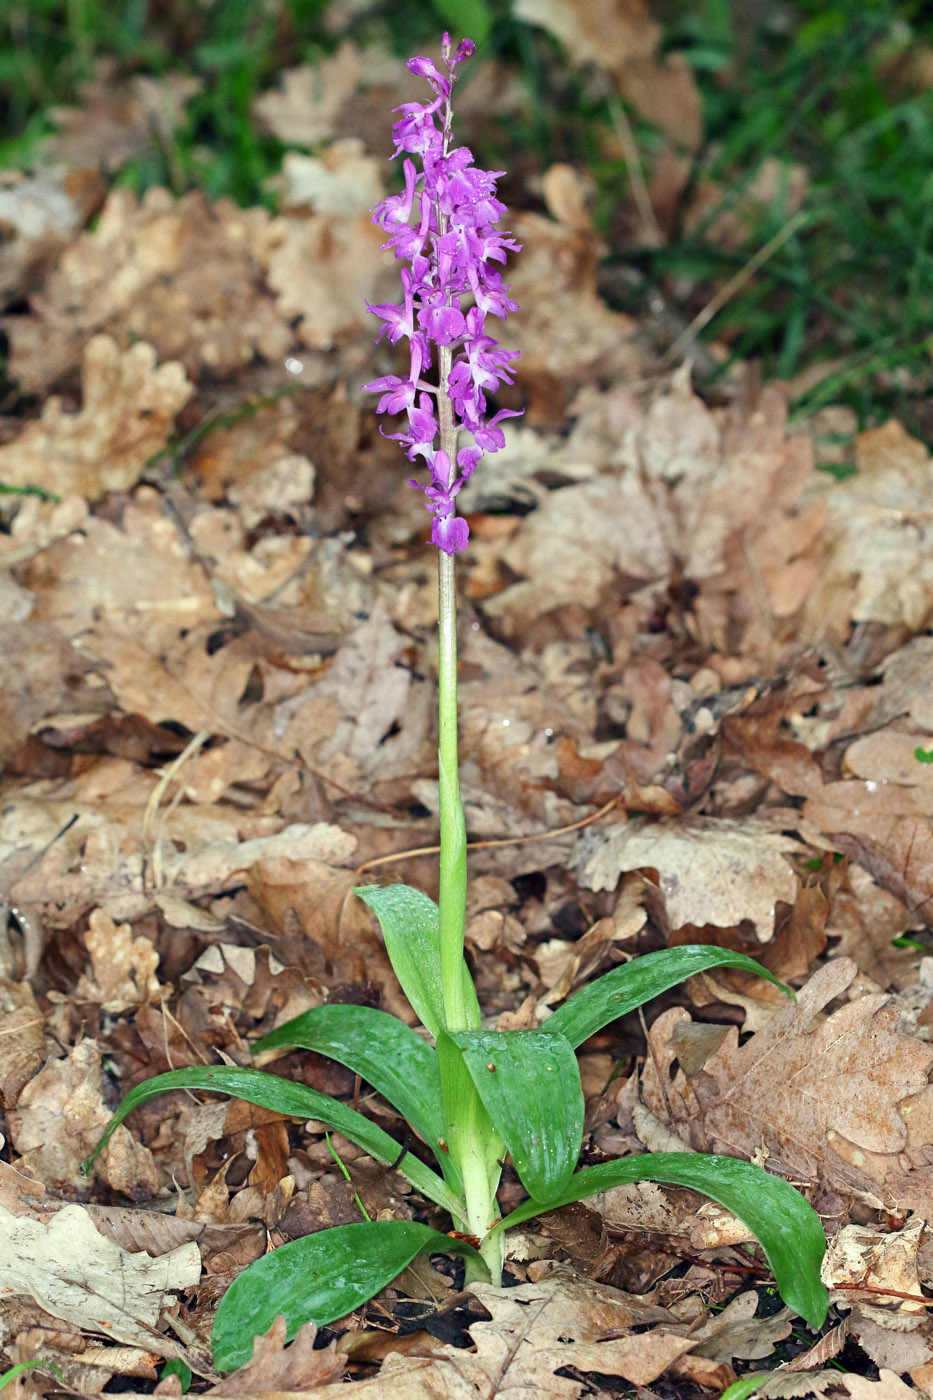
304	109
805	1084
124	967
77	1275
127	415
709	871
181	275
299	1367
58	1119
859	1258
878	563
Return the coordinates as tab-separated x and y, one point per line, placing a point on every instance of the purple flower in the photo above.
441	224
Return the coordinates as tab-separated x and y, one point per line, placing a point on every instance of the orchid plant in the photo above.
473	1096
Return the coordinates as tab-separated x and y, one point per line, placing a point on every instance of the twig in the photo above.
734	285
503	841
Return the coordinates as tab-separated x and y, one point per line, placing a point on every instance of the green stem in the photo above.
452	900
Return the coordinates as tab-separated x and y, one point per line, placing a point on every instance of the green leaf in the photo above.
179	1368
784	1224
529	1084
296	1100
410	927
638	981
22	1366
319	1278
380	1049
745	1386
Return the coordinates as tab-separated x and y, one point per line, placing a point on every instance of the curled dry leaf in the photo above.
861	1263
299	1367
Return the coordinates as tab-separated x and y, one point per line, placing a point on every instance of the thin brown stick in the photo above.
502	841
734	285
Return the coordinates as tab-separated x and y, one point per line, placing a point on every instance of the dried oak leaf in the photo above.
44	680
128	411
78	1275
180	274
273	1367
621	39
860	1261
710	870
124	967
135	575
119	120
58	1119
324	268
804	1087
714	498
566	334
878	551
885	828
38	214
304	109
536	1330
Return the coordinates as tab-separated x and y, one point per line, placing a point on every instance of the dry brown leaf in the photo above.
45	680
117	121
38	213
710	871
341	180
877	562
304	109
888	1386
76	1274
58	1120
622	39
809	1089
124	967
737	1333
323	269
299	1367
22	1039
181	275
861	1263
886	829
129	408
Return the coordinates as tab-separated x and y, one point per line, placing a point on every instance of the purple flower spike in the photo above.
442	225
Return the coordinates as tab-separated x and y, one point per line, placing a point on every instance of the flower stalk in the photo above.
442	226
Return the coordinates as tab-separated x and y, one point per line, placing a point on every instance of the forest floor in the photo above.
696	691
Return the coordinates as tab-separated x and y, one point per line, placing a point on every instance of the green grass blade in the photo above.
380	1049
638	981
319	1278
784	1224
296	1100
410	927
529	1084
